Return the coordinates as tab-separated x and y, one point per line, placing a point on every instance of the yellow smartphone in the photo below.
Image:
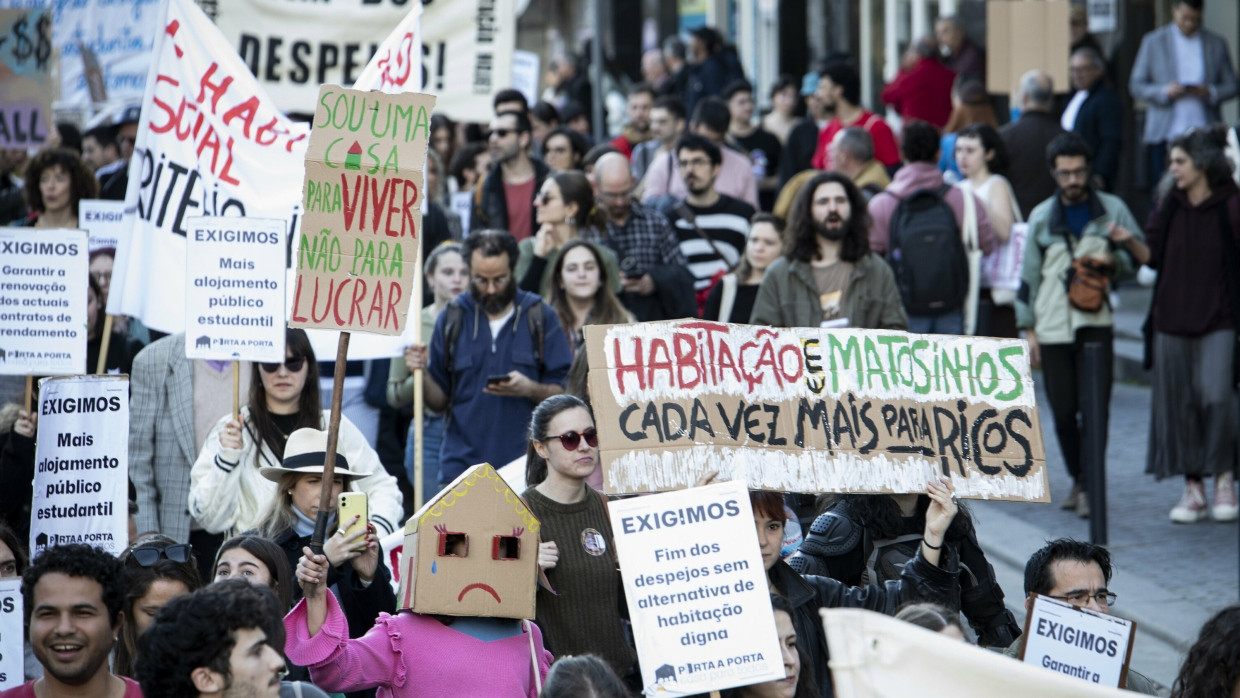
349	505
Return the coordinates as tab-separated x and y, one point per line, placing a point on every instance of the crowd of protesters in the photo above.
698	206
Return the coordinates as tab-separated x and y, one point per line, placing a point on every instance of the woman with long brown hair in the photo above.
227	492
565	211
581	291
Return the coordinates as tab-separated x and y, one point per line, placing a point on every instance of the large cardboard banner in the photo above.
234	305
1078	642
12	620
106	222
363	196
210	144
814	410
26	88
81	474
43	288
696	590
877	656
115	38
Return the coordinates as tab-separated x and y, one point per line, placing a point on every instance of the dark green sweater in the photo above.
584	613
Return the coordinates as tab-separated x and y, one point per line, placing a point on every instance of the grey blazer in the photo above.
1155	68
161	436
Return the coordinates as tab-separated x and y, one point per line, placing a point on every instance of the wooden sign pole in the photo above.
333	435
415	306
101	364
29	394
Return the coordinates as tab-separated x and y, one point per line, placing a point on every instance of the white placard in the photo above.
525	75
105	221
1102	15
696	589
1078	642
43	301
81	472
463	204
234	294
11	618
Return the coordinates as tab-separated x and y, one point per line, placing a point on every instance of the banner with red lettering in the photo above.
210	143
363	201
397	65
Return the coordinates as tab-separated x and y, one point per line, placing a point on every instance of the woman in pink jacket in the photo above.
411	654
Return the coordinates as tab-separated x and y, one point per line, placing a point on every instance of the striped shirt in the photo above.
726	223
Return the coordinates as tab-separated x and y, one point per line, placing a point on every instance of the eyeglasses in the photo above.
570	440
1081	598
500	132
147	557
1080	172
293	365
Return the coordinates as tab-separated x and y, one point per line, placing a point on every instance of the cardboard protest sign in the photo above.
471	550
1078	642
814	410
234	304
696	590
81	475
105	221
363	196
114	37
1034	35
12	620
43	284
210	143
26	88
876	655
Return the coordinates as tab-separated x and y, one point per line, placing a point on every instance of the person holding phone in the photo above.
356	573
227	492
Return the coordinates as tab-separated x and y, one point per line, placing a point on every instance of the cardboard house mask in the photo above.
472	550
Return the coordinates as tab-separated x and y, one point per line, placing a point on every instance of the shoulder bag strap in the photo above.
727	296
686	213
968	228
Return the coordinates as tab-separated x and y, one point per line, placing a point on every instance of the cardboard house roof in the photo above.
472	550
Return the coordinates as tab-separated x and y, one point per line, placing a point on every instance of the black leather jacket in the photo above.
920	581
838	546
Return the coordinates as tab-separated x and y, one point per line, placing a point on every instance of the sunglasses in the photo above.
500	132
571	439
293	365
147	557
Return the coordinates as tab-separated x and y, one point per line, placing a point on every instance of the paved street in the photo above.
1170	577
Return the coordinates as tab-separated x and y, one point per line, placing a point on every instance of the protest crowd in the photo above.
929	213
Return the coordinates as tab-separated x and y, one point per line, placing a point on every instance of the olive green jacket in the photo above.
788	296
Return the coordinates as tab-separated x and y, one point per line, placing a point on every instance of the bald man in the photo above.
657	283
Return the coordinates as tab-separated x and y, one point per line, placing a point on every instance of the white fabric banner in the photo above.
468	54
81	475
210	143
397	65
876	656
116	37
12	621
43	283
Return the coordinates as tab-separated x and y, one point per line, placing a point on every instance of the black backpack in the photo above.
926	253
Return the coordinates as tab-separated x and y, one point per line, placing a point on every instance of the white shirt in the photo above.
1190	69
1068	120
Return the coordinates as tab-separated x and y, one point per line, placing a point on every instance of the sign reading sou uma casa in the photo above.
696	590
814	410
234	303
363	197
81	475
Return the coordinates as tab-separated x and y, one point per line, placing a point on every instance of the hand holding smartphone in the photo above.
348	506
498	378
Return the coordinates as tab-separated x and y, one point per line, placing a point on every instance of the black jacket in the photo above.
839	546
920	581
1100	122
490	209
1026	140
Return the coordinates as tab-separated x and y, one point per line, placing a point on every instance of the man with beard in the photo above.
496	353
713	228
504	199
221	640
637	108
73	596
827	276
667	125
919	144
1074	225
657	286
839	91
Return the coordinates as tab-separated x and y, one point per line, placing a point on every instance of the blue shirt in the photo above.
484	428
1077	217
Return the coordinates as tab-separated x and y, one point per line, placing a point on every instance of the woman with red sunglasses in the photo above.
582	614
227	492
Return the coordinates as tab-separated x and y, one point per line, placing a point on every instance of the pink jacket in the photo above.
410	654
922	175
